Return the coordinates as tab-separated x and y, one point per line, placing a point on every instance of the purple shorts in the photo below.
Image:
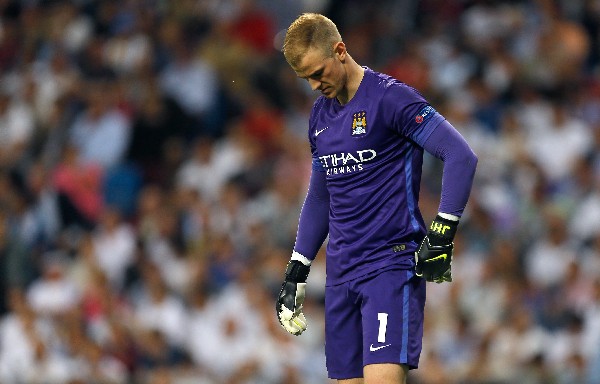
377	318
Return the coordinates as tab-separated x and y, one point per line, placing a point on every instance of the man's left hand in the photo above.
433	259
434	262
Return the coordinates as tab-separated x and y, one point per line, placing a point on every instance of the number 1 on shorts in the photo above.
382	317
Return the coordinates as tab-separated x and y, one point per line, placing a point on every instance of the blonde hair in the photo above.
309	30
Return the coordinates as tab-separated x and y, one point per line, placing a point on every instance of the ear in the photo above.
339	50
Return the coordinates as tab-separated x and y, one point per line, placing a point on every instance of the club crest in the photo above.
359	123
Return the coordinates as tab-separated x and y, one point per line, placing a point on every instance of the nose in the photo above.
314	84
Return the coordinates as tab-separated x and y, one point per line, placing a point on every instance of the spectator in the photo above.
53	293
100	132
114	246
155	308
191	82
78	187
17	124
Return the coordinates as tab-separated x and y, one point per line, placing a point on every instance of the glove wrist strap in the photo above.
442	231
296	272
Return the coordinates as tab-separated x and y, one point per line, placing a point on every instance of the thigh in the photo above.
380	373
385	373
392	305
351	381
343	334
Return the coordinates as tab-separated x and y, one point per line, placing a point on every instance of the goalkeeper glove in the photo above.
291	298
434	256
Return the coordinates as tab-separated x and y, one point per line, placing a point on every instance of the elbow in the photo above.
473	159
466	158
467	161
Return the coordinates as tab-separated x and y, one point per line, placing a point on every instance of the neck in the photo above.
355	75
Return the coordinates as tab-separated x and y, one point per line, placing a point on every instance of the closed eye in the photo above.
317	74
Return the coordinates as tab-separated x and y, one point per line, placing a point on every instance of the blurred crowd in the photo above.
154	160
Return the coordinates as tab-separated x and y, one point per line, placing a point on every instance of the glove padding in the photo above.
434	256
291	298
434	262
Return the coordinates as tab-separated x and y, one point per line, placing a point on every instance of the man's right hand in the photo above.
291	298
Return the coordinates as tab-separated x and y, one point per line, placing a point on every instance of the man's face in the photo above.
323	73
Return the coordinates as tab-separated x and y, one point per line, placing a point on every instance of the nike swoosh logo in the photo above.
373	349
317	133
442	256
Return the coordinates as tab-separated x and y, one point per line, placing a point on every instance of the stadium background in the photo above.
153	162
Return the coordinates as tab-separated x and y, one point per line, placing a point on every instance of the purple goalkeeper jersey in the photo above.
371	150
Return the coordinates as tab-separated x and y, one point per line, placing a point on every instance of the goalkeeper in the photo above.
367	135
